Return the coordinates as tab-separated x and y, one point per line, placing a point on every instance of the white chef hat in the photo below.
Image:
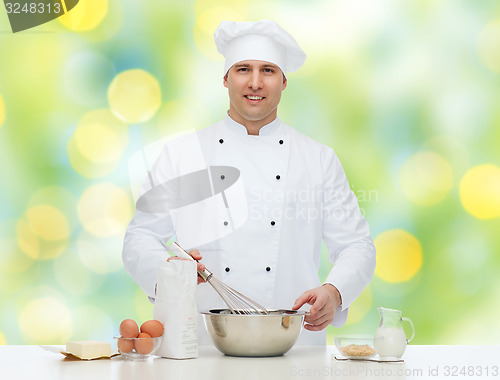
262	40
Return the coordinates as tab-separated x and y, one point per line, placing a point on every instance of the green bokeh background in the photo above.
383	81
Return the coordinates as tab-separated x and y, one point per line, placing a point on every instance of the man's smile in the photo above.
254	98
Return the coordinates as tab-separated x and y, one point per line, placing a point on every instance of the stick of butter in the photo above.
89	349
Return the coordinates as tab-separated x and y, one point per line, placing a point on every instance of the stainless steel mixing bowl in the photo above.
253	335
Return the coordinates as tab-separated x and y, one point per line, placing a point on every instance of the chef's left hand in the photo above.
324	300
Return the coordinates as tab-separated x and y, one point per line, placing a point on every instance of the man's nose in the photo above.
255	81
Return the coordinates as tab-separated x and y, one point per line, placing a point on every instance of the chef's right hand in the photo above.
197	256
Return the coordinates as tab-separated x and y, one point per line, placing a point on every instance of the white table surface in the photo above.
301	362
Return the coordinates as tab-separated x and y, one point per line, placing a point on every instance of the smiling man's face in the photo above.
254	92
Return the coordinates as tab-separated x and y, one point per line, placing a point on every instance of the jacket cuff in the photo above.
343	305
340	317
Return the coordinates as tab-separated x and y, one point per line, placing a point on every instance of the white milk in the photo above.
390	341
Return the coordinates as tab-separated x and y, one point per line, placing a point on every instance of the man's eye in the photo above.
267	70
242	69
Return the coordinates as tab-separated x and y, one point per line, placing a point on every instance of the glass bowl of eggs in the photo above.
135	344
140	348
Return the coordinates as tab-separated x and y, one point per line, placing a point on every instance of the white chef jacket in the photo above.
297	195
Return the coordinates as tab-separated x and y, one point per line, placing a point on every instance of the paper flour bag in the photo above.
175	307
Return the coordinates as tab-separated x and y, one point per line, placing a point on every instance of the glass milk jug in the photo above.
390	339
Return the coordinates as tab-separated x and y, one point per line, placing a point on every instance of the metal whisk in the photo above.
235	301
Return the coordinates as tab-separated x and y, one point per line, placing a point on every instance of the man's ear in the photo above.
285	82
225	80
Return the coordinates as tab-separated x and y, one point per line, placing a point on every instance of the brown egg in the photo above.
153	328
129	329
125	344
145	345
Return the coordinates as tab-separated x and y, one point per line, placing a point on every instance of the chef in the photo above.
253	199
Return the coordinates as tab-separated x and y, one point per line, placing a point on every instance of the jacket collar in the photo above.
267	130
